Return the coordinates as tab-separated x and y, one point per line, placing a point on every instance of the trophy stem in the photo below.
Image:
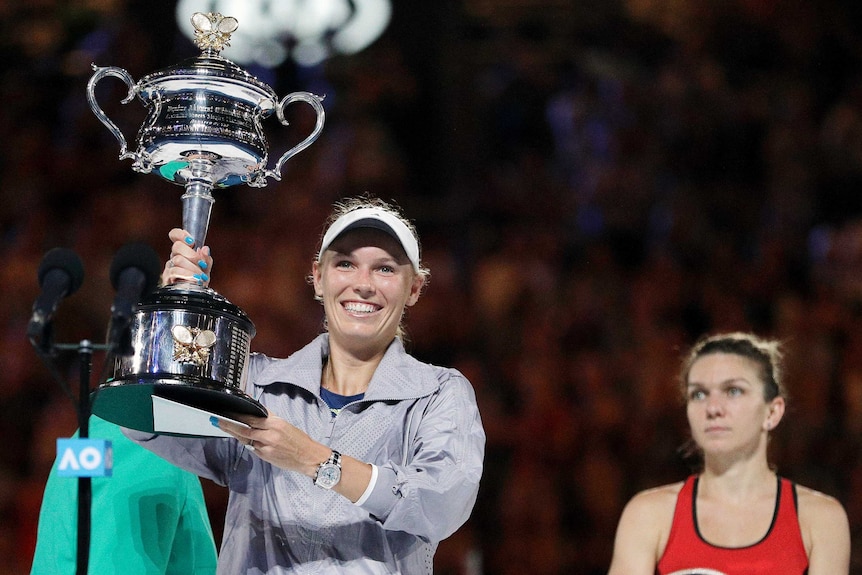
198	200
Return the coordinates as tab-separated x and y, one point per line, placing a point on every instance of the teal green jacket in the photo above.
149	518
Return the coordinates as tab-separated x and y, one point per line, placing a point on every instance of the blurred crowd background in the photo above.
596	184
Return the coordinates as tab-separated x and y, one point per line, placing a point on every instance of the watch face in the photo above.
328	475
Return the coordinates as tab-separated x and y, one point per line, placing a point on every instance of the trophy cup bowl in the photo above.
203	131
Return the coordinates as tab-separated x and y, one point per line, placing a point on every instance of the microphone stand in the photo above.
85	350
39	331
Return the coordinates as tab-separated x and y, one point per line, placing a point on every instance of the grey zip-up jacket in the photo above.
418	423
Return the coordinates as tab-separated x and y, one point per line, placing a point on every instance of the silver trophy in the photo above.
203	131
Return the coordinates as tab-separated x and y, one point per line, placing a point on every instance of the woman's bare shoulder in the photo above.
655	502
825	531
817	505
644	529
659	495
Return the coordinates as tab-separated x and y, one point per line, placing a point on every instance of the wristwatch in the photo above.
329	472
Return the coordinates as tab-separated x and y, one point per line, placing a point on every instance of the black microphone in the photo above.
134	273
60	274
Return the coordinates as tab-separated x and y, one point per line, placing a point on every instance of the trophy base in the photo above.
189	350
130	403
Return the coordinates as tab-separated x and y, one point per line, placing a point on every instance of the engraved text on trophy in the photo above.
213	118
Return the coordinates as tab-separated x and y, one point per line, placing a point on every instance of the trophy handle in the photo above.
315	102
99	73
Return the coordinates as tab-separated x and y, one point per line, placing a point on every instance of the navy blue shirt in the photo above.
336	401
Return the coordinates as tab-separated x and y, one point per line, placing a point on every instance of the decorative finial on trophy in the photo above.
212	30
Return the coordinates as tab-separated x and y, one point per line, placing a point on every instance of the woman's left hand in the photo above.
278	442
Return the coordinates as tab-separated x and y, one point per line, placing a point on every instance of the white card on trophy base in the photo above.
174	417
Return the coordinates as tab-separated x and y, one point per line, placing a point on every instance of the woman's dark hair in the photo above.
765	353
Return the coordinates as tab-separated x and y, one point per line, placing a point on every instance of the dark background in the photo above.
596	184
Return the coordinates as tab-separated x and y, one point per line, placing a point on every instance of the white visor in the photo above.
377	219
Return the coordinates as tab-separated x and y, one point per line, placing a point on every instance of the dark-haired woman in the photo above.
736	516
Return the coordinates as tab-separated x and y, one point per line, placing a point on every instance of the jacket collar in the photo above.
399	375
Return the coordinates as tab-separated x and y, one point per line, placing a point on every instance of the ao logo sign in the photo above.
317	29
84	458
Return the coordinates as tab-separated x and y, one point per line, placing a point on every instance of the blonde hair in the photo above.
347	205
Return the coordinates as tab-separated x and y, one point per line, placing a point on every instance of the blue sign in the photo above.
84	458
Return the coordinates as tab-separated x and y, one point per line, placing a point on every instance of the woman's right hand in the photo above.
187	263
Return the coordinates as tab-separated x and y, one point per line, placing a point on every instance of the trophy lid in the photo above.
210	71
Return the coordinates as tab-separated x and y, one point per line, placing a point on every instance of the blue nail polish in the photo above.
202	264
201	277
214	420
189	240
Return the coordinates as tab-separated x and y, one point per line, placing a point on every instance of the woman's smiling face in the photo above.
365	281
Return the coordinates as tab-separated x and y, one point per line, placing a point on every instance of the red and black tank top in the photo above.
780	551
